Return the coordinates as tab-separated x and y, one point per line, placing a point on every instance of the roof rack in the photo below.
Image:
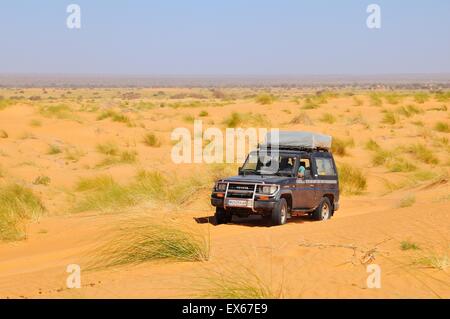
297	140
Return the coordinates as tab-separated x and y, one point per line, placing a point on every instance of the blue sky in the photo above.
212	37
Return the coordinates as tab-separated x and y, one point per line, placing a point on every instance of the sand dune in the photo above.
400	221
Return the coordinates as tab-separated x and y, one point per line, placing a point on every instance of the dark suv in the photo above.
281	192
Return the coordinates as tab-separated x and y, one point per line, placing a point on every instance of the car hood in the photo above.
269	179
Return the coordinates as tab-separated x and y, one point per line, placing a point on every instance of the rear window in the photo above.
325	166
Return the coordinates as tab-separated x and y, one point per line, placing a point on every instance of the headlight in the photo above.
221	187
267	189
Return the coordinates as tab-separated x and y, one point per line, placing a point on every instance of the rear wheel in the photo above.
324	211
280	212
222	216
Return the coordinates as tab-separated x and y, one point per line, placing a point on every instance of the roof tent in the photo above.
297	140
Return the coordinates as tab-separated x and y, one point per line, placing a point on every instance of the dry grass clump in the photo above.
328	118
246	119
115	117
147	239
434	261
108	148
265	98
339	146
351	180
422	153
302	118
408	245
53	149
5	103
390	118
442	127
150	139
18	205
393	98
310	105
421	97
73	154
407	201
389	158
42	180
58	111
409	110
375	99
240	283
114	155
104	194
3	134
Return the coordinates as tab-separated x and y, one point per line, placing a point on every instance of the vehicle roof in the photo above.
298	152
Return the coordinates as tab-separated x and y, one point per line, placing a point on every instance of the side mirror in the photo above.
240	170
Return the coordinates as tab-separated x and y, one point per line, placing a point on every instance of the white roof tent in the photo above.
297	140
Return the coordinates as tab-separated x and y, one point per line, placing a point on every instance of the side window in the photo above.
324	166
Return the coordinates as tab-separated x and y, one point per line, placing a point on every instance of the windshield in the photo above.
268	164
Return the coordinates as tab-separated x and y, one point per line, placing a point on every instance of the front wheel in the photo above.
279	212
324	211
222	216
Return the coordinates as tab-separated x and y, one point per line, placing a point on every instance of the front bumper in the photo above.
259	206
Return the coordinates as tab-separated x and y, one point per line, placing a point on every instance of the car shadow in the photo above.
252	221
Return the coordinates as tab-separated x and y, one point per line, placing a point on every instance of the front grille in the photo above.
240	190
241	187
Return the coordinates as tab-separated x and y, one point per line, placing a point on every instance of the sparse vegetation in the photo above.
442	127
351	180
58	111
407	201
265	98
115	117
53	149
309	105
244	119
42	180
18	205
339	146
408	245
422	153
3	134
328	118
390	118
108	148
151	140
421	97
143	240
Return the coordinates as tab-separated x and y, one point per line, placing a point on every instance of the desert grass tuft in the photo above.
150	139
407	201
53	149
146	239
265	98
18	205
422	153
351	180
442	127
328	118
339	146
408	245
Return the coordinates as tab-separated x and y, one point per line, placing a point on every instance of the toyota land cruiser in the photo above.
269	182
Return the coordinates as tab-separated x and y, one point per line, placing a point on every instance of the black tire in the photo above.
280	212
222	216
324	211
